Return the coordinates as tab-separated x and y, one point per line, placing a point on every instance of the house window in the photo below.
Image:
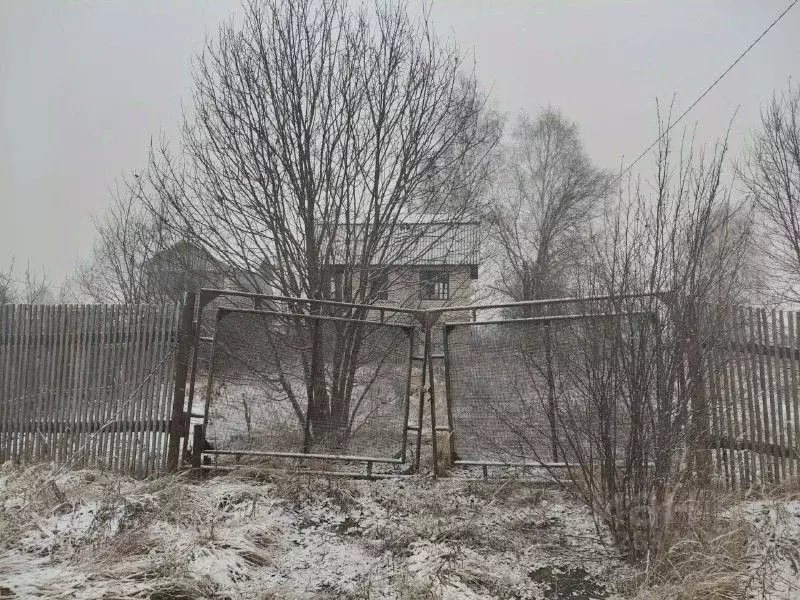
380	285
434	285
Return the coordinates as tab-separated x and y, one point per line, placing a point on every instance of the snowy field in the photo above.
86	534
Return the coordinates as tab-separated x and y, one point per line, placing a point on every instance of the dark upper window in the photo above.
434	285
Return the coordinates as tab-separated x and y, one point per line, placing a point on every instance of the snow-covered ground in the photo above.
86	534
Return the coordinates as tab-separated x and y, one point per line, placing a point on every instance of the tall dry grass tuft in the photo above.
703	554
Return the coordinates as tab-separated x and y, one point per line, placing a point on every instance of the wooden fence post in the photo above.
179	421
198	439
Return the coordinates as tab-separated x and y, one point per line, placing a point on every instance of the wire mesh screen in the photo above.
533	390
300	384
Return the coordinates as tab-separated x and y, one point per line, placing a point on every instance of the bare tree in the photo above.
7	287
127	238
134	259
644	414
31	289
548	194
771	175
315	136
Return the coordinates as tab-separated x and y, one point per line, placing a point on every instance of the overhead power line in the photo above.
708	89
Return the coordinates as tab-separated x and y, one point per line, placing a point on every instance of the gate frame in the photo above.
207	295
191	339
473	310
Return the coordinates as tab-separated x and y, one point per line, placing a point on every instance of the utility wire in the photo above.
708	89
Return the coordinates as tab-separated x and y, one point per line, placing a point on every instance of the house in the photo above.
436	266
179	268
186	267
430	263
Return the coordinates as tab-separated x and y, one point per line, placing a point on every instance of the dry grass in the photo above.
709	562
417	538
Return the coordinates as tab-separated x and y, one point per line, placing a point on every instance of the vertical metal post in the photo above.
448	392
432	397
407	394
551	392
178	426
423	381
195	351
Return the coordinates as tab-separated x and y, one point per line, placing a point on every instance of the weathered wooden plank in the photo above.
89	396
765	448
169	368
98	384
62	389
736	404
774	431
154	405
47	394
728	413
52	339
125	358
93	425
143	383
5	373
123	369
75	391
71	382
10	389
131	393
738	371
716	419
792	324
784	415
115	385
39	384
22	379
767	349
753	381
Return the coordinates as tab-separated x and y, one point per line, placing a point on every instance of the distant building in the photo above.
435	264
438	266
186	267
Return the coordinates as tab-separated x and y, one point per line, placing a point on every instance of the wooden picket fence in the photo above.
88	385
752	378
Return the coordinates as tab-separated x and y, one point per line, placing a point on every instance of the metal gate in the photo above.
520	391
301	384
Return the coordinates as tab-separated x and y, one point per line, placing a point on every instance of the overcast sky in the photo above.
84	85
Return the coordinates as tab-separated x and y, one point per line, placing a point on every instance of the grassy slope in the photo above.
84	534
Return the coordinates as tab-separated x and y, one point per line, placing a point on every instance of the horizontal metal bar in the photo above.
207	338
366	459
436	356
488	463
543	465
254	311
551	301
574	317
353	475
267	297
438	428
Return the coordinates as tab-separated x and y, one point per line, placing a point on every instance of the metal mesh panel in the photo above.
529	390
288	383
